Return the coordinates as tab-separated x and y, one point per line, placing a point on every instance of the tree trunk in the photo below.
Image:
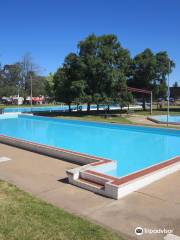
157	106
88	107
144	103
120	109
69	107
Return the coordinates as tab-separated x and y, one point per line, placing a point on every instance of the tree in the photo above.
164	66
95	73
103	58
149	71
27	67
143	70
38	85
68	83
9	79
15	79
120	91
101	69
50	85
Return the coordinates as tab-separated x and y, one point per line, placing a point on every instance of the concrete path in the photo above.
154	207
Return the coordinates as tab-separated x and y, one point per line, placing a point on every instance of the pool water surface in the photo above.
132	148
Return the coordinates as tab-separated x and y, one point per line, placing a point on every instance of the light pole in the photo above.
18	98
151	108
168	94
31	90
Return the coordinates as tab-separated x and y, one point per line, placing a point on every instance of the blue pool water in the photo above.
36	109
39	109
133	148
163	118
52	108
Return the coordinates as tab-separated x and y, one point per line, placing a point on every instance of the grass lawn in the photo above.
173	111
124	119
98	118
23	217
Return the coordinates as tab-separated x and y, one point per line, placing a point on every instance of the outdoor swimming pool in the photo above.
164	119
132	148
51	108
63	108
42	109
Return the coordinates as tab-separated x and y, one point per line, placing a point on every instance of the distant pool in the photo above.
164	119
132	148
64	108
42	109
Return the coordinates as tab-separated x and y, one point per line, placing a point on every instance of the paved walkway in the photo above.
156	206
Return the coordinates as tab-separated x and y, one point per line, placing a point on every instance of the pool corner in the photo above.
86	177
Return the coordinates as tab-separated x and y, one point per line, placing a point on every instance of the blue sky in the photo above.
50	29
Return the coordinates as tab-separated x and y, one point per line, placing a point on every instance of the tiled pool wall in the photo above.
48	150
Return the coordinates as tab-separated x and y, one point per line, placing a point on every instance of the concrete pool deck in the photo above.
155	206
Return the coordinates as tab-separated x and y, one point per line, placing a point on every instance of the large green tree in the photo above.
143	70
94	74
16	79
68	82
49	87
164	66
10	79
39	84
106	62
149	71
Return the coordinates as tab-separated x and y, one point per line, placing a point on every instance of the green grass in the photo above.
97	118
158	112
23	217
124	119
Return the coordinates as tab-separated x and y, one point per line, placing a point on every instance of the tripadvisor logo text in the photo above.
141	231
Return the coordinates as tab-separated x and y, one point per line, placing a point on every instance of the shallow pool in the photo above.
164	119
133	148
